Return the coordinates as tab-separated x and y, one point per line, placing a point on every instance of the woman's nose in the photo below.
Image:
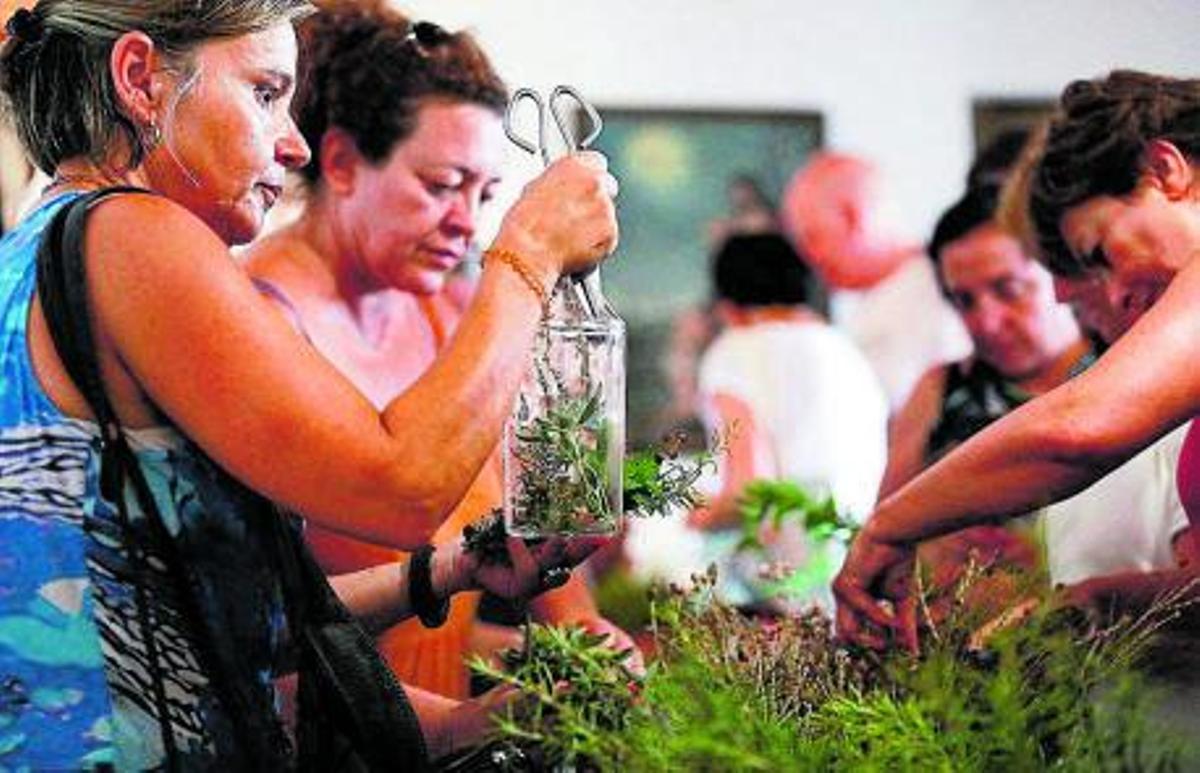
292	150
464	215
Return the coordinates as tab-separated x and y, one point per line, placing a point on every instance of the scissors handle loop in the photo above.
562	121
564	127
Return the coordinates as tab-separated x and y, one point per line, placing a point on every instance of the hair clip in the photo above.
25	25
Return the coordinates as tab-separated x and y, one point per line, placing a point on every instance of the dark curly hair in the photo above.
1095	144
366	70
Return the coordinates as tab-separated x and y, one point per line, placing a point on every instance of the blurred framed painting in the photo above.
675	168
993	117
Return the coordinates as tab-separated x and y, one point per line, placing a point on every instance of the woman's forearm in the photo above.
1136	592
459	405
379	596
1025	461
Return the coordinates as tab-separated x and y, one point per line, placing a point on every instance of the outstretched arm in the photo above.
1135	592
380	595
1049	448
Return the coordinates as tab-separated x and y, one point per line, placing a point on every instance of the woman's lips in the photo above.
446	259
270	193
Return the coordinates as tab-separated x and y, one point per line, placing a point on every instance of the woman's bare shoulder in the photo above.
276	258
145	223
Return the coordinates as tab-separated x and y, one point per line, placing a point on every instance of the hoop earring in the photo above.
154	136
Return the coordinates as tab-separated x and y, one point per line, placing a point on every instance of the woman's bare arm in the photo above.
176	314
1145	385
909	430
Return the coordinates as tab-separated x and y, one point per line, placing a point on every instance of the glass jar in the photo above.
564	443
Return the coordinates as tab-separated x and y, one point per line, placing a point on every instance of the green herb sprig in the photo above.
779	501
581	695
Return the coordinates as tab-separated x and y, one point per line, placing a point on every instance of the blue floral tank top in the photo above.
76	690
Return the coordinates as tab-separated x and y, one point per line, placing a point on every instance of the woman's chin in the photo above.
423	283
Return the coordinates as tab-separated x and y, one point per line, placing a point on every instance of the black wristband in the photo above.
431	610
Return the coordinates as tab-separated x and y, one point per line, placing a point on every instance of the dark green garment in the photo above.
977	394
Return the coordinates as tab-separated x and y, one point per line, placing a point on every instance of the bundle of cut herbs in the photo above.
563	476
656	482
733	692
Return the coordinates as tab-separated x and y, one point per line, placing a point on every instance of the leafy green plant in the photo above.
739	693
658	481
778	501
580	694
775	503
563	478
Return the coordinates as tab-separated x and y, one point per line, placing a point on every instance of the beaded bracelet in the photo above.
518	265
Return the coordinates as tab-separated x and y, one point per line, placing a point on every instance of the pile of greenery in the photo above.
732	692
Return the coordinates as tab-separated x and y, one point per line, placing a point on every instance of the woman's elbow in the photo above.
418	507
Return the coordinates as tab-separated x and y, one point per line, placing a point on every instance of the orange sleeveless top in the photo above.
432	659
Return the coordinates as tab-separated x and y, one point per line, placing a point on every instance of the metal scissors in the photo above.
587	285
561	121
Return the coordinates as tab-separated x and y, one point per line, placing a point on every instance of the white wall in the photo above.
894	78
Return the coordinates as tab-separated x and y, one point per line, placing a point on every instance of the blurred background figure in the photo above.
792	399
996	159
836	213
1028	342
751	211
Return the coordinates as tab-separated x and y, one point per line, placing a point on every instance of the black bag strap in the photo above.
62	292
62	287
344	681
346	684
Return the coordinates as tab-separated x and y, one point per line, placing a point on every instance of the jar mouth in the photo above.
598	326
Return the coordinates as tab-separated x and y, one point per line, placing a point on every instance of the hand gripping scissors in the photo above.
586	285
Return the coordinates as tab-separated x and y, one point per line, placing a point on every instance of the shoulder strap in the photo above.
62	292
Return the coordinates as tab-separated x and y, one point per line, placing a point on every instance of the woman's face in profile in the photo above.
231	138
414	215
1138	242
